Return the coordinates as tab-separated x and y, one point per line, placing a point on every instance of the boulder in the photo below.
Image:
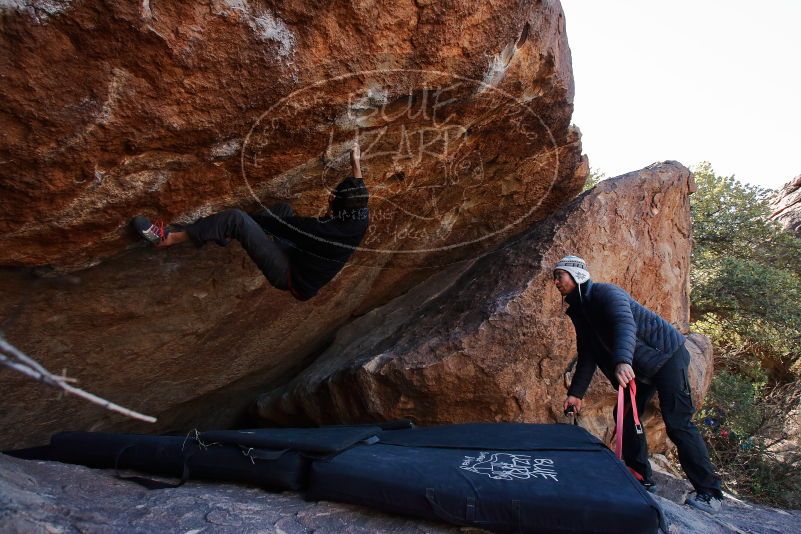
178	110
488	340
175	110
787	206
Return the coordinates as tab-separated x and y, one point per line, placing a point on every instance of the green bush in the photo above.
746	276
744	425
595	176
746	296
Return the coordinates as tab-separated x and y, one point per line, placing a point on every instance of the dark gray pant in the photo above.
269	253
673	385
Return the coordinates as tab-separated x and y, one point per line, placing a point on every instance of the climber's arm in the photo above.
355	157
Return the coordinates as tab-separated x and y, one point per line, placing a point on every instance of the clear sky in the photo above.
689	80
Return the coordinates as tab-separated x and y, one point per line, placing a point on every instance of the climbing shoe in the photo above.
705	502
155	232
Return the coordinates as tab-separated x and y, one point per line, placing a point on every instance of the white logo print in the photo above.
506	466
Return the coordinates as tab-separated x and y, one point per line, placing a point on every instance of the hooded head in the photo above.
350	194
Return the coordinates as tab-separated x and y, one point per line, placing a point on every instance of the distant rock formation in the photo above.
488	340
787	206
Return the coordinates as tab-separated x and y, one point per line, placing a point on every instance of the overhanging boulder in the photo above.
179	109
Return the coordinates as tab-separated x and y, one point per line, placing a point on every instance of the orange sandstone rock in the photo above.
178	109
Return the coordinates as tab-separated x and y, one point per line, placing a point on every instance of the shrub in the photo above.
745	426
746	280
595	176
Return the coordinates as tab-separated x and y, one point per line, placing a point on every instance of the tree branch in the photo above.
12	357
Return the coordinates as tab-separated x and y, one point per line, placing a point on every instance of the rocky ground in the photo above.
51	497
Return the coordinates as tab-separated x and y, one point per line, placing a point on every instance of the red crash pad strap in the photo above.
621	415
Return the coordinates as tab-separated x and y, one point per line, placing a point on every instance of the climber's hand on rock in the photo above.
355	156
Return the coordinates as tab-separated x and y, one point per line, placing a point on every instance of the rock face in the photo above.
487	340
179	109
53	497
787	206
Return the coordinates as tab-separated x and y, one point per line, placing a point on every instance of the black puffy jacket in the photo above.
612	328
322	246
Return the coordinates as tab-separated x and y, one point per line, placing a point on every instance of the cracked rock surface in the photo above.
53	497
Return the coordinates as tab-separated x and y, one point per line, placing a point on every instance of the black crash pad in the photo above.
502	477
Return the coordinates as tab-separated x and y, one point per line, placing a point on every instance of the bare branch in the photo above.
12	357
8	348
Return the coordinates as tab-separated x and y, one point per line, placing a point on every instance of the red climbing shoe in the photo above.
154	232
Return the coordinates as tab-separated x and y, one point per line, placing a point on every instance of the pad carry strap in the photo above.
262	454
621	415
149	483
442	513
518	516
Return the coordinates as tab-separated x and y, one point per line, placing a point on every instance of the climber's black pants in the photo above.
673	385
268	252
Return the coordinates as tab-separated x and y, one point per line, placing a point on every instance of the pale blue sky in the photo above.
689	80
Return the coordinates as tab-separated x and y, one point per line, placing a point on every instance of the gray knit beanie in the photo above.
576	266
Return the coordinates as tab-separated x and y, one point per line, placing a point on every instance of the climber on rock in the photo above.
296	254
625	339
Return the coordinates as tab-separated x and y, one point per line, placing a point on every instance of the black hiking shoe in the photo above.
155	232
705	502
